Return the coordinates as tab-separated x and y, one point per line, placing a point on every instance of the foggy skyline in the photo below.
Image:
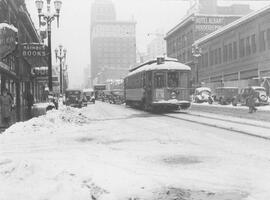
74	30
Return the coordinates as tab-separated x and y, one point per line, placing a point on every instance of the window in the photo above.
262	40
242	48
230	52
216	57
159	80
234	50
183	80
248	46
268	38
206	60
173	79
219	56
253	43
225	53
211	58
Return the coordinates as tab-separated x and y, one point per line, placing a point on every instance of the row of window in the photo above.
185	56
161	80
180	42
234	50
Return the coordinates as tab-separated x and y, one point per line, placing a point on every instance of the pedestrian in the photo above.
30	103
252	95
6	103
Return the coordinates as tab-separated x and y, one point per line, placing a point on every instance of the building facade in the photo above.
15	71
205	18
113	44
236	53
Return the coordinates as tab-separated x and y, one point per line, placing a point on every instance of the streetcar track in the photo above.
220	127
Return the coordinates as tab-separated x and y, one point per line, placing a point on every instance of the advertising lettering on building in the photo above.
207	24
8	36
34	54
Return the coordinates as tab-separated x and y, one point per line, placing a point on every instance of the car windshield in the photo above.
260	89
73	93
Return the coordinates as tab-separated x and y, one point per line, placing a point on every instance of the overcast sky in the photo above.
74	34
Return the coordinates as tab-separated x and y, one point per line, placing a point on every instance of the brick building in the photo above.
203	20
237	53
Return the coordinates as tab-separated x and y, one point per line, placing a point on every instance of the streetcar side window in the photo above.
159	80
183	79
173	79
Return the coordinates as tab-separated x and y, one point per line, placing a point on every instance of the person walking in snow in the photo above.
30	102
251	100
6	107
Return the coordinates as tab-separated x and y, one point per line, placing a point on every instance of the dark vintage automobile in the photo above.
75	98
89	95
226	95
117	97
261	97
203	94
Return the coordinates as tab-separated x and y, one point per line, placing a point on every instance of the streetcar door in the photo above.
159	85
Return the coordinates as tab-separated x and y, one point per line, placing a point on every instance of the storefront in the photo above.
8	76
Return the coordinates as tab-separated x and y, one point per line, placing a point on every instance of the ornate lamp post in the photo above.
197	52
47	19
61	56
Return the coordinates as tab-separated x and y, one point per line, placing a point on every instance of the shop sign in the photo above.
40	71
34	53
8	35
99	87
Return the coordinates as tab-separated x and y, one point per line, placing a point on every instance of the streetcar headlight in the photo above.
173	95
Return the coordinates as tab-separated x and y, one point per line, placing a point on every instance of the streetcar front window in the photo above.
173	79
159	80
184	79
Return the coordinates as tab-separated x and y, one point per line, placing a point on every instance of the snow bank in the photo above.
51	122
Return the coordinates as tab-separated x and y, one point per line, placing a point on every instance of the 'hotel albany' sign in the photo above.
34	54
8	35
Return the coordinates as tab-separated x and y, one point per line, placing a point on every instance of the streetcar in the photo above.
161	84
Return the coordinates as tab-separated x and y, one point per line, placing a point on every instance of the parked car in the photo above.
117	96
203	94
89	95
261	98
226	95
75	98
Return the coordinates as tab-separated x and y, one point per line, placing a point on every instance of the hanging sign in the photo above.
8	35
34	54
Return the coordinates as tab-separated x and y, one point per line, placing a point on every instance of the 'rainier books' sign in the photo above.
34	54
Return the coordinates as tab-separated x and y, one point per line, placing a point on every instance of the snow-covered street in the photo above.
112	152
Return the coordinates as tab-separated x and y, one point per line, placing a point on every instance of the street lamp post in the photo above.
47	19
196	52
61	55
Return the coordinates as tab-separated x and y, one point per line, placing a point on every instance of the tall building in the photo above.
86	77
157	47
113	43
102	10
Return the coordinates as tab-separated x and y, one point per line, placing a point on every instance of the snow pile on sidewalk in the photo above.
50	122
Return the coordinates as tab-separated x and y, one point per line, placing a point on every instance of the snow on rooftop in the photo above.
234	24
167	65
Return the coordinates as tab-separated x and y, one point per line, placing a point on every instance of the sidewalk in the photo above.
262	115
